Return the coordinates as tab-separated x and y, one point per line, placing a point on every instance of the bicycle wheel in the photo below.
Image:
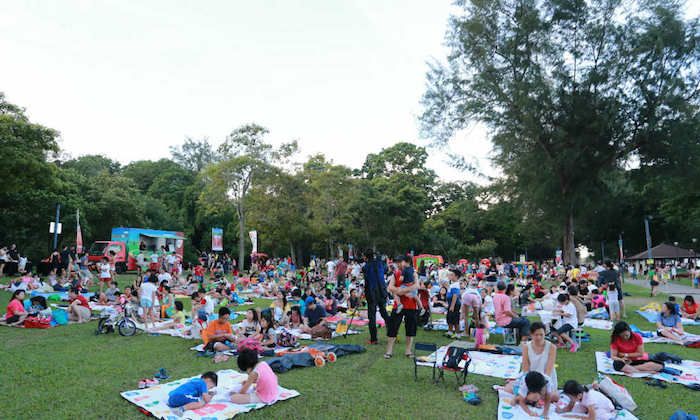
127	328
103	326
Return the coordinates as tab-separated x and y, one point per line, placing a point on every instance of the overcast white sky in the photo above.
129	78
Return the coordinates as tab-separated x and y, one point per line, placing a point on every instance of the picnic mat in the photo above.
690	369
652	337
496	365
154	400
599	324
173	332
508	410
62	295
653	316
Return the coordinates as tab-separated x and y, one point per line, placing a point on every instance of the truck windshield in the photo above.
98	248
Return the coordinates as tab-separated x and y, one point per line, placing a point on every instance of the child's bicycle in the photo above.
112	319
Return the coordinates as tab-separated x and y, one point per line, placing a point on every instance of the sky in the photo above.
127	79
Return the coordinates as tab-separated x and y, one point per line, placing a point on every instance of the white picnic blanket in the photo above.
508	410
174	332
154	399
690	369
496	365
599	324
687	338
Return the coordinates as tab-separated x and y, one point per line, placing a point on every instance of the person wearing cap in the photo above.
314	314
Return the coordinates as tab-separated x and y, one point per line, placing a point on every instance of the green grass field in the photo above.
68	372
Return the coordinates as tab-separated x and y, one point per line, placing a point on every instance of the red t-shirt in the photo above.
628	346
82	300
199	271
13	308
690	309
406	300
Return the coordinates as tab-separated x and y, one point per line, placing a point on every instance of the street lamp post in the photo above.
695	240
648	236
677	263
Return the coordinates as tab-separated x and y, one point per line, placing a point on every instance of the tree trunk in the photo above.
330	248
569	251
241	237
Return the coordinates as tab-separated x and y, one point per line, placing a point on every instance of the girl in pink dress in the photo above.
260	375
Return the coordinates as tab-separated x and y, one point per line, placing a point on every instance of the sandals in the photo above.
387	355
409	355
658	383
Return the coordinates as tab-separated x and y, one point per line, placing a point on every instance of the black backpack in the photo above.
454	356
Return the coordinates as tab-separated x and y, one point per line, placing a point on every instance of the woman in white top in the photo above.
538	355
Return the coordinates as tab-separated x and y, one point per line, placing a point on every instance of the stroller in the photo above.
119	319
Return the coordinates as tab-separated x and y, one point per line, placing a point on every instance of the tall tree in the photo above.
194	155
570	90
242	160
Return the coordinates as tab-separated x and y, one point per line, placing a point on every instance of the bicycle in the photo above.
112	319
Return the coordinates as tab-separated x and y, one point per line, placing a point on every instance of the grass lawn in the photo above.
68	372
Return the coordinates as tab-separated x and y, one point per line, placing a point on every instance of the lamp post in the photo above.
695	240
648	236
677	263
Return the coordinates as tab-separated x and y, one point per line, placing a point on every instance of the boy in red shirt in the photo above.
79	309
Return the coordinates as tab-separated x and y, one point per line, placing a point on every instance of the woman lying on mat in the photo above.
669	323
627	352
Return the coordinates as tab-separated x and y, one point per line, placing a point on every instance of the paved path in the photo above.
669	288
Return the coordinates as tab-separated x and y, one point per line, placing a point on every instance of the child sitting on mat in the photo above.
260	375
589	401
192	395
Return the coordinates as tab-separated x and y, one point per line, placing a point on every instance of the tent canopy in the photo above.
663	252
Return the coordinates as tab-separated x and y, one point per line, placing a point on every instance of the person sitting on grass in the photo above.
315	314
178	319
192	395
594	404
79	309
267	331
669	323
568	322
627	352
690	308
218	335
260	376
250	327
296	320
539	355
16	314
532	389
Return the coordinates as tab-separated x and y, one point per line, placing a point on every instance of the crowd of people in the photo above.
473	297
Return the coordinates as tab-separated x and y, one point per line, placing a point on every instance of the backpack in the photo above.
454	356
694	344
286	339
662	357
250	344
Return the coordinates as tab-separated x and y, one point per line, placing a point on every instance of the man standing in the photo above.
375	292
610	275
341	270
408	313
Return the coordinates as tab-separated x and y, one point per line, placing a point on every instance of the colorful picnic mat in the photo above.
154	400
496	365
508	410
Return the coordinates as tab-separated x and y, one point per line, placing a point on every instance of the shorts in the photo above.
654	283
406	286
470	299
618	365
146	303
614	306
178	400
565	329
84	312
411	322
452	317
12	319
105	279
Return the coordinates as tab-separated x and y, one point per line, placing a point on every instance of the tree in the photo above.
570	90
194	155
243	159
91	165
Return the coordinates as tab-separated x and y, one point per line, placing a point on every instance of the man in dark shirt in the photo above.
314	314
65	258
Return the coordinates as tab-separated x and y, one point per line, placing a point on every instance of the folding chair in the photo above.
426	347
460	364
509	336
577	335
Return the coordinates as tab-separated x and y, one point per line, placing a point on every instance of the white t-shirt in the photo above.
488	304
154	257
612	296
148	290
570	310
443	274
330	266
104	270
603	407
209	304
164	276
520	387
172	259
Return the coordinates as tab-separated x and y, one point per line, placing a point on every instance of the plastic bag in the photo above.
616	392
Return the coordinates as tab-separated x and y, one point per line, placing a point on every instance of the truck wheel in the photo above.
120	267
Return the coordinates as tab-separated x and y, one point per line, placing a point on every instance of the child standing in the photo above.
260	375
613	302
105	276
589	401
147	296
192	395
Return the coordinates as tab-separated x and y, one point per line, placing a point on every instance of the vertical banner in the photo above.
340	251
558	258
351	252
622	253
78	235
217	239
254	239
